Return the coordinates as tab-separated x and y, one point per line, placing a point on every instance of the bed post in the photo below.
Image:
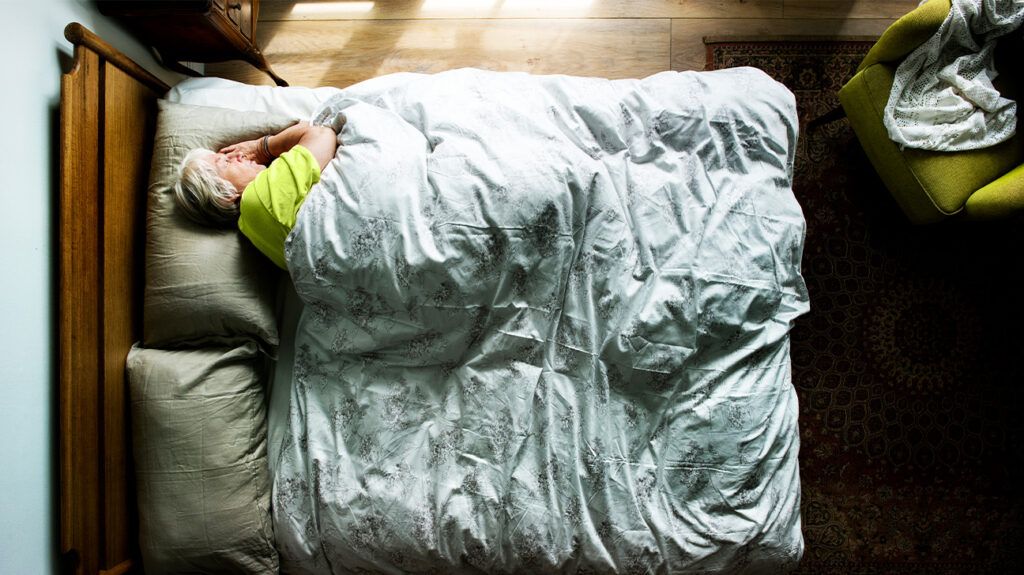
108	114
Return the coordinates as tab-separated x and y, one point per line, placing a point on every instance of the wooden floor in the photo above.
338	43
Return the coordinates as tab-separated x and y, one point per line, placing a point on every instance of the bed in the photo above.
532	324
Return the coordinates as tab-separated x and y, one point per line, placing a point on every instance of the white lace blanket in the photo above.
943	98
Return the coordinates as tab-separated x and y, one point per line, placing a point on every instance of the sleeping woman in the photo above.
260	183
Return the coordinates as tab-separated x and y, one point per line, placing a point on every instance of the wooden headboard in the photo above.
108	112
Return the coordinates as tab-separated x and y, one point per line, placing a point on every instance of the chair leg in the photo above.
837	113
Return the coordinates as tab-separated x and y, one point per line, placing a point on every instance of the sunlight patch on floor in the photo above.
327	9
506	8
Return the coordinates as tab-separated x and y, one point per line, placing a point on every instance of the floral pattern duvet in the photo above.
546	330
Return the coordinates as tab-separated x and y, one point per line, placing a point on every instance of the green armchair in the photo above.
931	186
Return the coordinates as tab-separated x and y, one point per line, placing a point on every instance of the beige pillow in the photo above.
200	444
203	285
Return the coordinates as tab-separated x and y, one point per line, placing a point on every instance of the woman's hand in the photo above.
250	150
321	141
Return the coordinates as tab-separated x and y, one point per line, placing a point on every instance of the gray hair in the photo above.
204	196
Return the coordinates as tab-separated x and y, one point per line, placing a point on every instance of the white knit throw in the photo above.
943	98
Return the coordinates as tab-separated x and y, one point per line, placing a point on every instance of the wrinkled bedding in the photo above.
546	330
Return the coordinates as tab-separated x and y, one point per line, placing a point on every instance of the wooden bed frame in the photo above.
108	113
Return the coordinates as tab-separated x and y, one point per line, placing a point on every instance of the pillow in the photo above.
203	285
200	445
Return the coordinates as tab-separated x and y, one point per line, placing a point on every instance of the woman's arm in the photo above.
321	141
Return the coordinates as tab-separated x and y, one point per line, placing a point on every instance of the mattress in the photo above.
542	326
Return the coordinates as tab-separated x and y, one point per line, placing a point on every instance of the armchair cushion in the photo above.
1001	197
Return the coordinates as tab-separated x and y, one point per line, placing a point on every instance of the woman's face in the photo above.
235	168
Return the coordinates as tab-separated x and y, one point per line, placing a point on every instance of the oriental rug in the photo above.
908	367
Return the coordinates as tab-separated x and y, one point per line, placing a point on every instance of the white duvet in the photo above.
546	329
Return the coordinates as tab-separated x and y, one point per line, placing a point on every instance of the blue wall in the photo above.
31	45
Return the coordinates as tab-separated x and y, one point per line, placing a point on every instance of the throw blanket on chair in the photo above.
943	98
546	330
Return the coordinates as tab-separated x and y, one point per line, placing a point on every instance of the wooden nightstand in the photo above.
194	30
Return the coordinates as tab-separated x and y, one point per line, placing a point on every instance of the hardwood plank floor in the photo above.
490	9
338	43
339	53
847	8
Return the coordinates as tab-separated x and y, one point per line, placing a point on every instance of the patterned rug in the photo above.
907	365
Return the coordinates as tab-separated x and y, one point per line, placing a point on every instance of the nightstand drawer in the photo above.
234	9
245	23
240	13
